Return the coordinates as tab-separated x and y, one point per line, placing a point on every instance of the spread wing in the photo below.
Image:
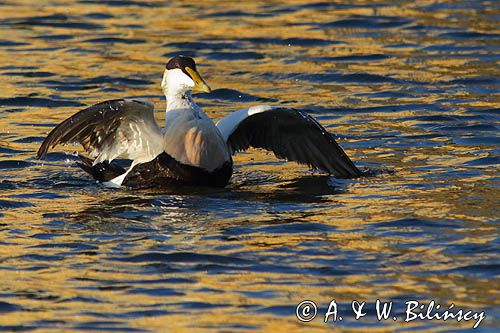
110	129
290	134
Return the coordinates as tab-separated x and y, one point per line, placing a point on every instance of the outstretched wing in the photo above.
290	134
109	129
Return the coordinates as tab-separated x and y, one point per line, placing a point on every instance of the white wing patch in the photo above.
229	123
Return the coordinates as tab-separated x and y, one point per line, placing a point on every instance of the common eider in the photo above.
191	148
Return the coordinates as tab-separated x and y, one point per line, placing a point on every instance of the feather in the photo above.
109	129
290	134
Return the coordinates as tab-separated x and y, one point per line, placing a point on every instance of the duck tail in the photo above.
103	171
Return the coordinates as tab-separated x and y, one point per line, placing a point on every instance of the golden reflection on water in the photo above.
74	286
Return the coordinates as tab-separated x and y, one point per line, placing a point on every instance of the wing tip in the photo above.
50	141
345	168
352	173
42	151
40	156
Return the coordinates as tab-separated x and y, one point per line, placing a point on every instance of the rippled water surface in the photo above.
411	87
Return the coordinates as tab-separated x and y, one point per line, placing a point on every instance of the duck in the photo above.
191	149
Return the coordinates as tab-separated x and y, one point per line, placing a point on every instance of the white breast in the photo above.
192	138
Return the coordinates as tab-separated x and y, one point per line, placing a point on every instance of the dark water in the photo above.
411	87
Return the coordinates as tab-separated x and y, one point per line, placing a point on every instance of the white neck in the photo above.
177	88
179	100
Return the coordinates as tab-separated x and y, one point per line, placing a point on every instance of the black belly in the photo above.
164	170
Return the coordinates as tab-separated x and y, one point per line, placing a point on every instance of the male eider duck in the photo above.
190	149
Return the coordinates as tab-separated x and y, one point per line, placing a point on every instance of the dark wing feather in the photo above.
109	129
293	135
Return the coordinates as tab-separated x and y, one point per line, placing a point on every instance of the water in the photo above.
409	87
